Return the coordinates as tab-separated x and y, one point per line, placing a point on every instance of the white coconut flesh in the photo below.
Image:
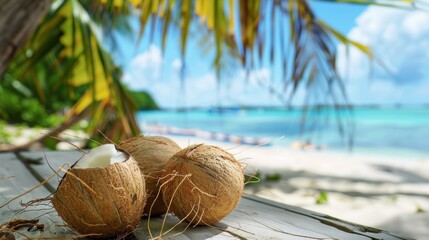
100	157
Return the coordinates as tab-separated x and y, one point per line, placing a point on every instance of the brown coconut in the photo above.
102	201
203	184
152	154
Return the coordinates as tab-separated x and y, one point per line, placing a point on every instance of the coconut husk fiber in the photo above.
202	184
102	202
152	154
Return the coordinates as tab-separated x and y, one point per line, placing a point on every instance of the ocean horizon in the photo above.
394	130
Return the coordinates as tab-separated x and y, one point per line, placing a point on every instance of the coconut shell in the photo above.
203	184
152	154
102	202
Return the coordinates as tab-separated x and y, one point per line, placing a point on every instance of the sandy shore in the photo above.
377	191
19	135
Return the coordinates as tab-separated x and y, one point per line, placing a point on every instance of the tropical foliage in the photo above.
66	59
143	100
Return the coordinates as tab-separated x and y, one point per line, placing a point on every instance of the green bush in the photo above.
273	177
4	134
18	109
322	198
143	100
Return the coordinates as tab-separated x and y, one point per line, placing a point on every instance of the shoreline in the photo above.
376	131
282	142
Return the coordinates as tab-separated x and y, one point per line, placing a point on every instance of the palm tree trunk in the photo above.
18	19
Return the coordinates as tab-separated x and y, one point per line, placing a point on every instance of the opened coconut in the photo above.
202	184
103	194
152	154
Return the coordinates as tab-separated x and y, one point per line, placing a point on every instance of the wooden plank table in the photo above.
254	218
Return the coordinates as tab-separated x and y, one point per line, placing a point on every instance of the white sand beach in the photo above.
391	193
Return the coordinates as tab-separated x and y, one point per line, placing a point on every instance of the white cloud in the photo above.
204	90
252	91
144	73
176	65
145	68
401	40
127	79
148	59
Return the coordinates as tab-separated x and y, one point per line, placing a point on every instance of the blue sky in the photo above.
398	37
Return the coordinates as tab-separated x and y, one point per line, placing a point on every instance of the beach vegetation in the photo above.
394	198
4	134
19	109
274	177
419	209
322	198
143	100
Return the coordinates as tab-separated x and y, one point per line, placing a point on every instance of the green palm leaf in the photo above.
67	45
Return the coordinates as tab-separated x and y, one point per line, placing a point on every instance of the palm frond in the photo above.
68	56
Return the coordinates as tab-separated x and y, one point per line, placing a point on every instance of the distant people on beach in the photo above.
307	145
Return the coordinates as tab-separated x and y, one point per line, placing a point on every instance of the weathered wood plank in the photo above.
15	179
52	161
255	218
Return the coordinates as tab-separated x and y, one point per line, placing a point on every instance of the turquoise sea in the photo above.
399	131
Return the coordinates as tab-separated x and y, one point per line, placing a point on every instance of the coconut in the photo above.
152	154
103	193
202	184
